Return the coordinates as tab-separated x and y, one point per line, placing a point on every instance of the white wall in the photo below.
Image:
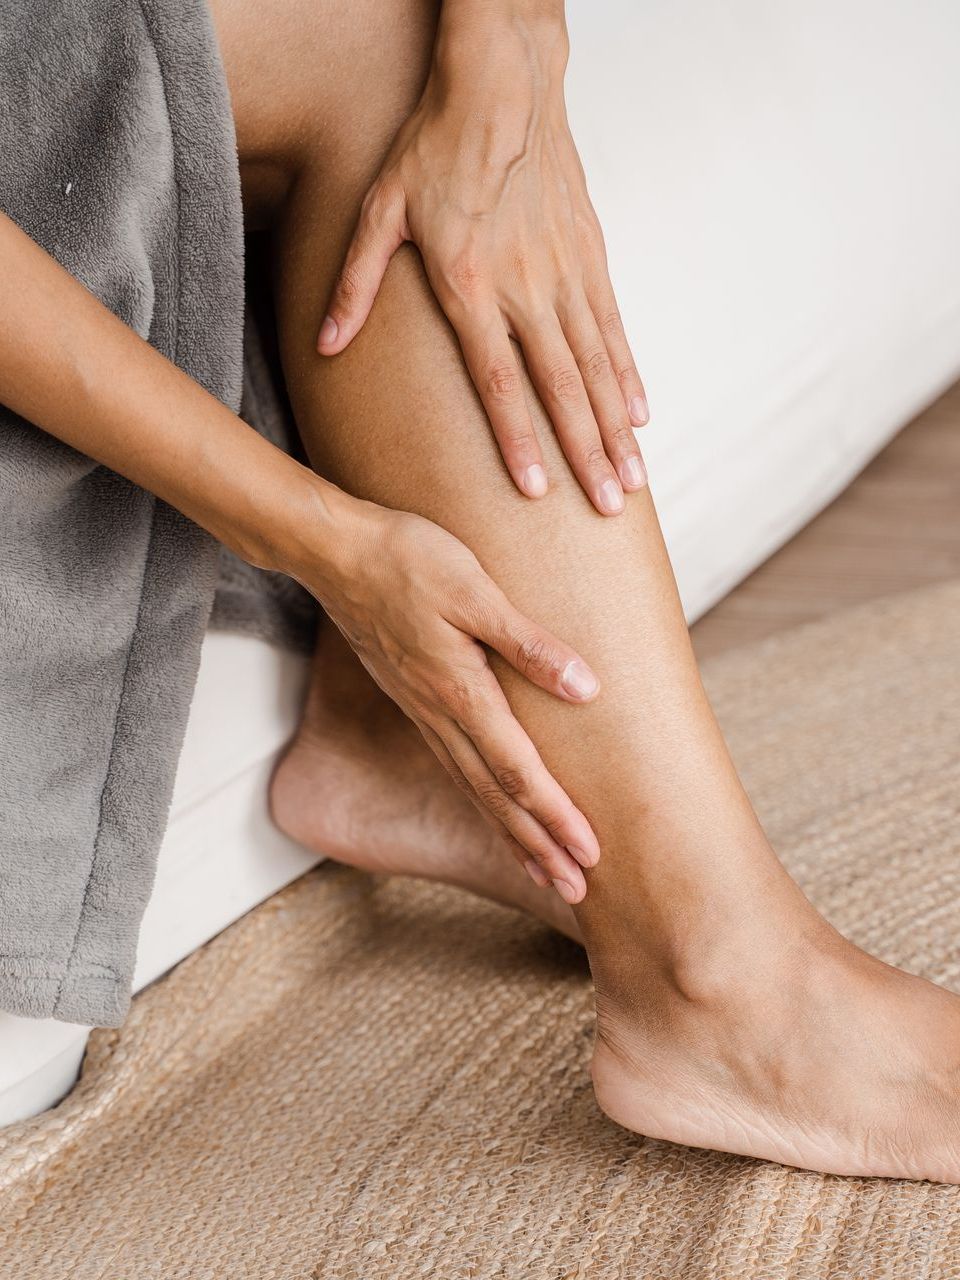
779	183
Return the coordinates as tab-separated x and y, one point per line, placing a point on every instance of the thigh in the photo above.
319	85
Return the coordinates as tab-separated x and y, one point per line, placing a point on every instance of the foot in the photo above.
803	1050
358	784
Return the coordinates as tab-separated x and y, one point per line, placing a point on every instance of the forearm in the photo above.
68	365
503	36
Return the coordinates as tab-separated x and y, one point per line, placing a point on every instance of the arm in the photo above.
388	579
485	179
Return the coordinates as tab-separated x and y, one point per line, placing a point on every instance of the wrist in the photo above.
302	537
506	44
321	539
496	11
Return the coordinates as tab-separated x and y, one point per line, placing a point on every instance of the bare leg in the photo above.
730	1015
359	784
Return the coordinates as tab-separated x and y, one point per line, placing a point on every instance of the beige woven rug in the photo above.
366	1080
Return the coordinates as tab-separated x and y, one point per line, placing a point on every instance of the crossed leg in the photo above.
730	1014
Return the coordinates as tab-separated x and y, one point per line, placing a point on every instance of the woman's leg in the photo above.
359	784
730	1014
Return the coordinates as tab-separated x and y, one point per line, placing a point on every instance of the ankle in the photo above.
658	984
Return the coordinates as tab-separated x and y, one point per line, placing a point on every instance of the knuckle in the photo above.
563	383
534	655
557	823
465	274
624	440
458	779
551	863
594	462
595	459
495	799
627	375
595	365
522	266
588	225
609	323
519	443
458	695
502	381
349	283
513	781
555	828
468	603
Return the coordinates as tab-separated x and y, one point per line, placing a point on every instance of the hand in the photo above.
411	599
417	608
485	179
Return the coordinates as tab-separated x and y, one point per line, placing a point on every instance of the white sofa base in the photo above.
221	855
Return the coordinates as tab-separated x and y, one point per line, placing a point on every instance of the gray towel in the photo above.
117	155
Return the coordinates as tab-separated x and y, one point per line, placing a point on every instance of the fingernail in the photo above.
536	874
578	855
566	891
534	481
634	472
639	411
578	680
611	497
328	331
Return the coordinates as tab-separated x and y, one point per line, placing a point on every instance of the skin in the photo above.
512	248
359	784
413	600
730	1014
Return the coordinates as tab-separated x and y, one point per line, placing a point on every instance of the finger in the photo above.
516	767
526	839
493	368
380	232
603	390
532	868
610	324
435	743
559	385
555	861
529	648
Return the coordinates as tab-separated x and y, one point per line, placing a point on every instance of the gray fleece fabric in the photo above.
249	601
117	155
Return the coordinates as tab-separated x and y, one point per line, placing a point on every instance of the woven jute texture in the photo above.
384	1079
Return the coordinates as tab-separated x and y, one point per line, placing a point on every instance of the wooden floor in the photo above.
896	527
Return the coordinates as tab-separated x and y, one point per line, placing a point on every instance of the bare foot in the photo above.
802	1049
359	784
773	1038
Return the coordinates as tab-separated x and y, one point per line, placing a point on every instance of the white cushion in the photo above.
779	185
220	857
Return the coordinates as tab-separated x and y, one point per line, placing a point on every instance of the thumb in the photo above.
379	234
535	652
